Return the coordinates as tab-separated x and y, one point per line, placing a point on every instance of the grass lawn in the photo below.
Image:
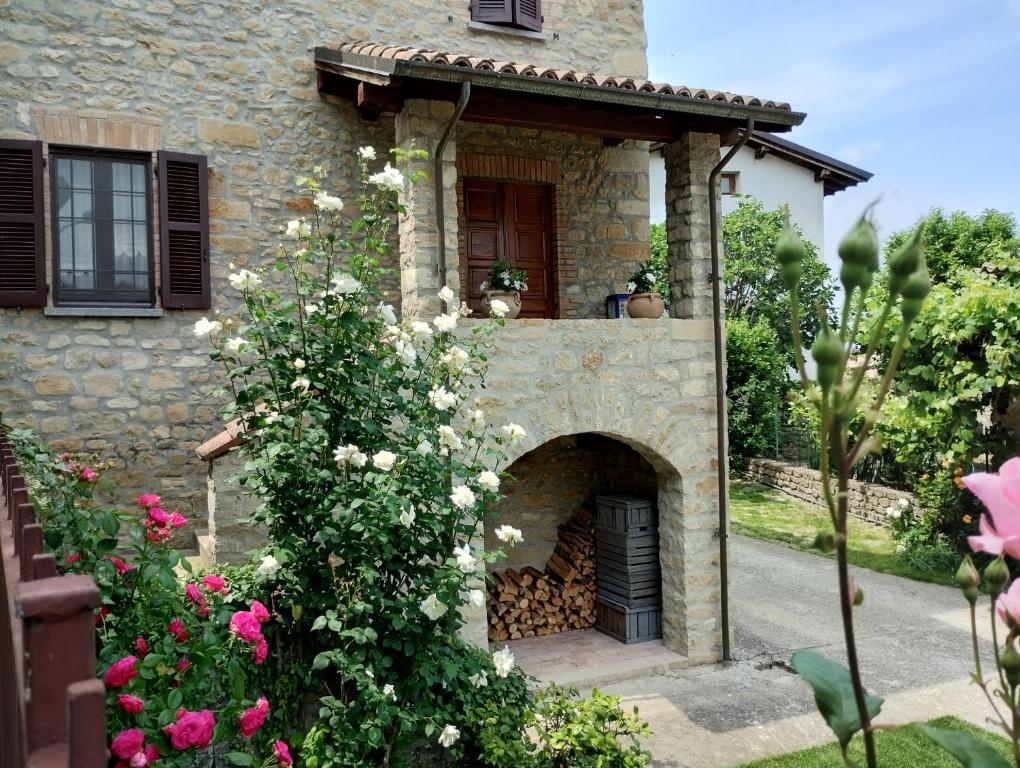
765	513
904	747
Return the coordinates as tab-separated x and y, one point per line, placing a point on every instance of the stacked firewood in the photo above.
530	602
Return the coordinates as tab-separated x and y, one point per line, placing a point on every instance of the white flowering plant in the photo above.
648	279
505	276
374	469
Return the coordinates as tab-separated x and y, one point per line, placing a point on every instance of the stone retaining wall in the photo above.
867	500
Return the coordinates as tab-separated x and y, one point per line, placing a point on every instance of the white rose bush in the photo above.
374	470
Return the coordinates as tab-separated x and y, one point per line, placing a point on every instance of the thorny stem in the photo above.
979	677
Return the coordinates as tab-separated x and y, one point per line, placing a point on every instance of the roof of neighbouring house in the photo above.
834	174
391	69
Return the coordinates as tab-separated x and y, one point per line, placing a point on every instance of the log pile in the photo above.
529	602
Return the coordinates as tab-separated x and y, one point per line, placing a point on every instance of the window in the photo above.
102	229
525	14
728	183
102	248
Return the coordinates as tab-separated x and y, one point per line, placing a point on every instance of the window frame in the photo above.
87	153
733	178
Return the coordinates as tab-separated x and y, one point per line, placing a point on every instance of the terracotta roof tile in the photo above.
424	55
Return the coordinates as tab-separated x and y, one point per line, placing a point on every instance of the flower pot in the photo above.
648	305
511	298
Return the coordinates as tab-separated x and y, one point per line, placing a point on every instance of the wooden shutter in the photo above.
184	231
22	233
528	14
493	11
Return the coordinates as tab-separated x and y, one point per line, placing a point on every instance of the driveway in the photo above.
913	642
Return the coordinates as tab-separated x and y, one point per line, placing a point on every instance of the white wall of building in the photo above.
771	179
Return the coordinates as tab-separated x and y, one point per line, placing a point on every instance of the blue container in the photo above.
614	304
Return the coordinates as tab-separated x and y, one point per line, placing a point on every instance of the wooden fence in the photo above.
52	706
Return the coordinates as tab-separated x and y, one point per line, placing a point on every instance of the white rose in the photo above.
445	322
509	535
889	511
424	448
514	432
235	344
421	329
441	399
384	460
631	287
897	514
465	560
244	280
455	358
367	153
503	661
298	364
449	438
206	327
462	497
407	517
479	680
433	607
904	504
464	310
327	202
476	597
476	418
311	309
446	294
388	691
449	736
349	454
389	179
386	313
298	228
269	566
345	284
489	481
302	383
407	354
499	308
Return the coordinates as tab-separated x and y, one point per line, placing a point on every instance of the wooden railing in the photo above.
52	707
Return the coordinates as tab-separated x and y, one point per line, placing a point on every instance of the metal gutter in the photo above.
720	386
354	64
465	95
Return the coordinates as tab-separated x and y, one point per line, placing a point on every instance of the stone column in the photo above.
689	160
420	125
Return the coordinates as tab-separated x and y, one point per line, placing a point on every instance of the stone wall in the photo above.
234	81
647	384
867	500
552	482
600	204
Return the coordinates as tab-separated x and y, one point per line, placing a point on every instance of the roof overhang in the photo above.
381	84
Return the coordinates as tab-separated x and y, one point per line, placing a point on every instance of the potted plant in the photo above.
645	294
504	282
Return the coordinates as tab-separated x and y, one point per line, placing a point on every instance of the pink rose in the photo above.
88	474
121	672
1008	604
130	704
148	500
126	743
1000	528
177	520
141	646
182	665
192	729
101	614
282	754
177	629
74	557
142	759
158	516
214	584
252	718
246	626
120	565
261	650
259	612
194	594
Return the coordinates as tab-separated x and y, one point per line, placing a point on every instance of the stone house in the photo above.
146	145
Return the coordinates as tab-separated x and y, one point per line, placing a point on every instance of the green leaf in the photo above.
834	693
174	699
969	750
319	623
321	661
240	758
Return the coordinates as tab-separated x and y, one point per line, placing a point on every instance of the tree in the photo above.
756	380
754	288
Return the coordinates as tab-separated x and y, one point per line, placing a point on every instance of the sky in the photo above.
925	94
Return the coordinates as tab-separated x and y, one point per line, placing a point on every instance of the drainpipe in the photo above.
720	394
465	94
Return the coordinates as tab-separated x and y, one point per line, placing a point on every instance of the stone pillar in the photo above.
420	125
230	538
689	160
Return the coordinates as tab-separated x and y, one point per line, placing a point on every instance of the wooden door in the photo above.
505	220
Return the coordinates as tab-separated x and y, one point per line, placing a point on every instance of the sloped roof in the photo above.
425	55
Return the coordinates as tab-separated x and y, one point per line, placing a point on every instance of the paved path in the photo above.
913	640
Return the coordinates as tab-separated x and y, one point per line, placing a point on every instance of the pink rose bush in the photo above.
252	718
1000	493
130	747
192	729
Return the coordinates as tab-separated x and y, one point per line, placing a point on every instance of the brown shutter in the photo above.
493	11
22	233
528	14
184	231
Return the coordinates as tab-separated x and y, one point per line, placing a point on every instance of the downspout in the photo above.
720	383
465	94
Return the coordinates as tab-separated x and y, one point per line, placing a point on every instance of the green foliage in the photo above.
652	276
971	751
755	291
756	381
834	694
505	276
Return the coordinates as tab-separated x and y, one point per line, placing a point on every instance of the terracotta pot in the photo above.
511	299
648	305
